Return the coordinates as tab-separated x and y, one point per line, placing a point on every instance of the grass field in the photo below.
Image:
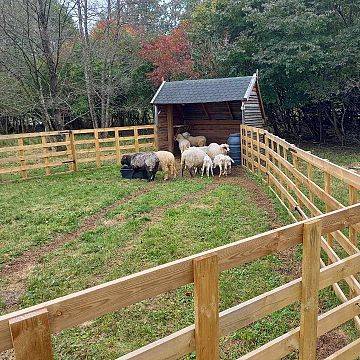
64	233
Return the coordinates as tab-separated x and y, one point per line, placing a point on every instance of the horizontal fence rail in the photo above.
76	308
307	186
45	153
203	270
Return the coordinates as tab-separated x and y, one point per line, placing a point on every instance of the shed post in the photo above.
156	121
170	126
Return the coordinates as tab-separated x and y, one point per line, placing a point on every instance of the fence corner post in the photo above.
310	289
206	284
156	138
31	337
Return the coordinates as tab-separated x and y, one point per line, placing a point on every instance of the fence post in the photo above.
156	139
206	284
31	337
310	289
267	156
295	161
310	175
136	139
73	150
252	150
45	155
22	158
97	147
327	188
353	199
117	146
242	147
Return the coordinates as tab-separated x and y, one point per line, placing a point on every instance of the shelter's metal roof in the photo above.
204	90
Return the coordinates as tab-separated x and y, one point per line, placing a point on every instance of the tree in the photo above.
307	54
170	56
33	34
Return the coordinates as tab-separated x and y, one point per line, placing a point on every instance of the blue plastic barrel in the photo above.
234	144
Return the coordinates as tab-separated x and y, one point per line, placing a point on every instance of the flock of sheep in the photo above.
195	156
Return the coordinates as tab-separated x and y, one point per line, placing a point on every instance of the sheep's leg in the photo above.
173	171
166	173
150	175
191	171
220	167
212	171
202	170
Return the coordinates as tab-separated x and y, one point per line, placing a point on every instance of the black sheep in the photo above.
147	161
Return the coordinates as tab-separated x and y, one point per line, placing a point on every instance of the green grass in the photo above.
342	156
164	222
33	212
221	216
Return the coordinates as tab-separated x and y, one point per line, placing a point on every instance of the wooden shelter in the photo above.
214	108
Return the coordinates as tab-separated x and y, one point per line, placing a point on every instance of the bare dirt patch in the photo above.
240	178
331	342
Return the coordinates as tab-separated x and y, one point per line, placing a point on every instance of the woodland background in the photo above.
85	63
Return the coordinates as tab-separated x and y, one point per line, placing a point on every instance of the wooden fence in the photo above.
28	331
307	186
44	153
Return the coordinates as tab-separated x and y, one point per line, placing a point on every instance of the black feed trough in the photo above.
129	173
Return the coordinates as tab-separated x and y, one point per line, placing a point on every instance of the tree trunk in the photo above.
85	42
43	18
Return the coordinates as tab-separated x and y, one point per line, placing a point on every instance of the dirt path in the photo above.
16	272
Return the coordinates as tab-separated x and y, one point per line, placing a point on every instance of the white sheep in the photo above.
167	163
208	166
183	143
192	159
215	149
224	164
228	162
195	140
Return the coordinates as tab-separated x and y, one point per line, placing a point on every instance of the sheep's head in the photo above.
225	148
126	159
179	137
186	135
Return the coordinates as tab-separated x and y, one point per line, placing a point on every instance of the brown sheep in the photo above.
195	140
167	163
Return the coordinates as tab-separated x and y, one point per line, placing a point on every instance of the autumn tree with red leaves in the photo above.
170	55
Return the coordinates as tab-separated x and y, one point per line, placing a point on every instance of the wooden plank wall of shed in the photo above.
216	121
252	111
164	142
162	128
